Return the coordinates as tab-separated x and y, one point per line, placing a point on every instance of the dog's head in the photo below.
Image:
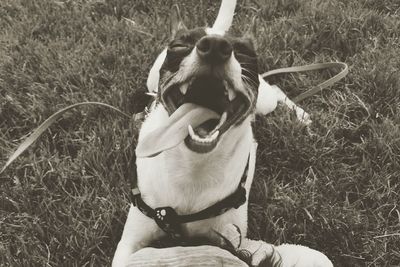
210	68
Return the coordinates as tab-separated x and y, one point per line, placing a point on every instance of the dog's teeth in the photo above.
231	94
222	120
224	116
197	138
214	136
191	131
204	140
184	87
193	135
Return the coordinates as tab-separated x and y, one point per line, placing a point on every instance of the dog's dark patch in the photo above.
180	47
245	54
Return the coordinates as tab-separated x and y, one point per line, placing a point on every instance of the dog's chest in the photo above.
188	181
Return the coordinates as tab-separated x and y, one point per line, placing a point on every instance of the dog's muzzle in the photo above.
210	75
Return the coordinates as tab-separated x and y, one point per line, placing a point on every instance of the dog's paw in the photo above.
253	252
303	116
302	256
260	253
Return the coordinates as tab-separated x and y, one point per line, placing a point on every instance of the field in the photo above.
334	187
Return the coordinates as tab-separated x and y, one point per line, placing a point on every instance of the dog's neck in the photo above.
189	181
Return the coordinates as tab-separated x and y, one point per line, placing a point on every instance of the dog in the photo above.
196	149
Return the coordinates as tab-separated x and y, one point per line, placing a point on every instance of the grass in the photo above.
336	189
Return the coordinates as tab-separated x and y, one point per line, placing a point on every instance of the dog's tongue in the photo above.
175	129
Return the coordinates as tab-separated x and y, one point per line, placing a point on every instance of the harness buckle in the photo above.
168	220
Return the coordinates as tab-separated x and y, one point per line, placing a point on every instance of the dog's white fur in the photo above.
188	181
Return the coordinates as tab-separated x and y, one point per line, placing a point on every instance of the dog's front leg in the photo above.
260	253
255	252
139	232
301	115
270	95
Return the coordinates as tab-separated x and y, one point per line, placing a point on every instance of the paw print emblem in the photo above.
161	214
168	220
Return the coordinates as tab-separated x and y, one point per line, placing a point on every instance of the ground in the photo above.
334	187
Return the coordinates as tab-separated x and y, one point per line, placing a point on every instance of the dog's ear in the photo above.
176	23
251	31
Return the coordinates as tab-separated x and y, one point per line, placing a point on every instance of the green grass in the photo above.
64	202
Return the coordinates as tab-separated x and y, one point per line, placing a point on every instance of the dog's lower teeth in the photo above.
197	138
191	131
224	116
222	120
214	136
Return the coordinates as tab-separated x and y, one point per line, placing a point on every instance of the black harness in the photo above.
171	222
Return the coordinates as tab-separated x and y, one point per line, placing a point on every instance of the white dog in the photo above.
196	150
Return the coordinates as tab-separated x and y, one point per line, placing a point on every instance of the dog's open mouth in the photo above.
213	93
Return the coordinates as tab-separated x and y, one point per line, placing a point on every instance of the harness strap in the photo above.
318	66
170	222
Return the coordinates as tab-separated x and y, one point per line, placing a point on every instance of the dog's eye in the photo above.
243	49
178	47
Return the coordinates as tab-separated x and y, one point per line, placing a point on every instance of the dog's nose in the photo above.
214	49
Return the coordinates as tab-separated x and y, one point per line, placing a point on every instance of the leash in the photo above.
312	67
166	217
53	118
